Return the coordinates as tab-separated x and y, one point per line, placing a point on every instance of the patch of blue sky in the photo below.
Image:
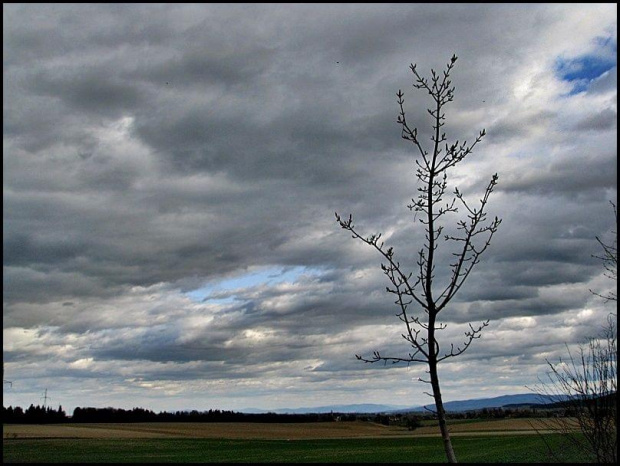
583	70
222	291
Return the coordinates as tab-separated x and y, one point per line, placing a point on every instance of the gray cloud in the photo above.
605	119
151	151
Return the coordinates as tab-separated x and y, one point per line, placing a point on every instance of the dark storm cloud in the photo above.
90	91
201	69
524	307
568	177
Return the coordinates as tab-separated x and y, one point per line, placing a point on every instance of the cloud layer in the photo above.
154	151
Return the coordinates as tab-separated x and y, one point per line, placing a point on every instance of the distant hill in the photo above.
354	408
522	400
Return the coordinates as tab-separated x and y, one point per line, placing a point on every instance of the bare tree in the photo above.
610	259
416	295
585	385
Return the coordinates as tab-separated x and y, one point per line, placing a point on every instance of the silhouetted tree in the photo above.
586	383
419	297
610	259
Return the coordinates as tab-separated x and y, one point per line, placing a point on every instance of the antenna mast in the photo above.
45	398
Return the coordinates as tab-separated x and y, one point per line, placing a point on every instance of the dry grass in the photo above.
229	430
247	430
520	425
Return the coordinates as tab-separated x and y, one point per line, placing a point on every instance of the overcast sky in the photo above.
171	174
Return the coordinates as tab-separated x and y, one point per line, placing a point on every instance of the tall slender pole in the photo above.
45	398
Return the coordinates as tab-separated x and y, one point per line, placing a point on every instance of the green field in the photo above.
472	449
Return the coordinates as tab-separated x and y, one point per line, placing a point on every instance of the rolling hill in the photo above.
521	400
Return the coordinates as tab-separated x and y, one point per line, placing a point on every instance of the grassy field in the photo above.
239	442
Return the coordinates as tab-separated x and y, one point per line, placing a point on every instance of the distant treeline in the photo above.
41	415
47	415
33	415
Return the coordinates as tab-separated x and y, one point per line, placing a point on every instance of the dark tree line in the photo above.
33	415
40	415
212	415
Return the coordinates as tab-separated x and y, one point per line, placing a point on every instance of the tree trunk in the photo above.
441	413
